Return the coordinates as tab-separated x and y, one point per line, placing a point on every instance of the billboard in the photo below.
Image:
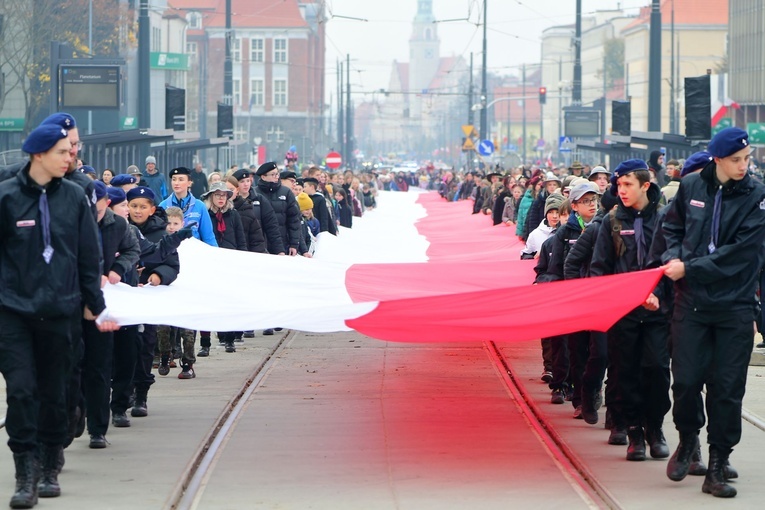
90	87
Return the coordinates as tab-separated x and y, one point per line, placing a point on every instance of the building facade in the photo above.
747	60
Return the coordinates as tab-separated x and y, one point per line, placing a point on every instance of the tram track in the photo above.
574	469
190	486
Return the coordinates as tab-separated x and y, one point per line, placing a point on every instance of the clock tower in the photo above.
424	58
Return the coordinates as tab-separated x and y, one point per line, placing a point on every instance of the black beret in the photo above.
240	174
311	180
266	167
181	170
288	174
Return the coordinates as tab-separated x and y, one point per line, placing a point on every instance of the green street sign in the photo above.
129	123
756	132
169	61
7	124
725	122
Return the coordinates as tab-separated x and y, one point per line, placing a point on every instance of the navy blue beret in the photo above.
100	189
140	192
181	170
122	179
627	167
43	138
695	161
60	119
266	167
116	195
728	141
87	169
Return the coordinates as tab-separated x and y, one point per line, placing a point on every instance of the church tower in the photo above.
424	45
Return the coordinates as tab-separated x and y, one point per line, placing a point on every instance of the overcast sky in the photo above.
512	32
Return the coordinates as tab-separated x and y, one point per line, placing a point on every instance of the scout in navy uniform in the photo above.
49	266
638	344
715	229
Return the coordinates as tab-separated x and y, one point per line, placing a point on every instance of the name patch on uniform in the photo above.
697	203
627	232
25	223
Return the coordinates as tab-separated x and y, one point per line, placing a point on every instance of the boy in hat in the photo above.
638	343
194	211
48	235
154	179
600	176
125	182
554	204
714	233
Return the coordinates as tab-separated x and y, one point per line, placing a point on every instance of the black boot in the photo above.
49	459
715	482
698	468
680	463
657	442
27	476
729	471
636	448
140	409
230	346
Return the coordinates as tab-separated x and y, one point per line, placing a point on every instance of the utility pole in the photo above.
576	93
471	117
560	97
144	71
228	79
484	97
523	93
605	106
340	112
348	120
654	69
672	125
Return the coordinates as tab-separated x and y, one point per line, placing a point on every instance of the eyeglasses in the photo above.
220	195
587	201
79	145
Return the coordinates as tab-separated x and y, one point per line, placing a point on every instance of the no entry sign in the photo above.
334	160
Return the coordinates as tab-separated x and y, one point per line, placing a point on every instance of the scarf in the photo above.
221	225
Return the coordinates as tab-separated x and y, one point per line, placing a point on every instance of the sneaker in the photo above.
164	365
268	332
249	334
558	396
230	347
187	372
203	352
546	376
578	413
590	416
618	436
97	441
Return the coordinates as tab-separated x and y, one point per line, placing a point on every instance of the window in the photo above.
280	92
256	50
236	50
280	51
191	49
194	19
156	39
192	120
275	134
237	92
256	93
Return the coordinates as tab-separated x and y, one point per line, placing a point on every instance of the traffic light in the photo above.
542	95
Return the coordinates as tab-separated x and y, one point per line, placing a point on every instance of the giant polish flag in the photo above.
416	269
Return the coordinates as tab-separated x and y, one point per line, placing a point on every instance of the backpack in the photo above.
616	233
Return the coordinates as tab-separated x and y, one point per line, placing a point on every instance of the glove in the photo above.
185	233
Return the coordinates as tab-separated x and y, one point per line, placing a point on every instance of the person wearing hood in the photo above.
638	344
284	204
656	165
154	179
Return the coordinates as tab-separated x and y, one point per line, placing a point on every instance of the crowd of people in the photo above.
702	221
69	230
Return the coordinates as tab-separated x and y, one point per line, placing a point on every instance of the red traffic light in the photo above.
542	95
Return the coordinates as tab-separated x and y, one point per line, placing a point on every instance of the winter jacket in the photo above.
154	229
577	262
157	183
561	242
321	213
30	286
509	209
543	262
728	278
287	211
268	222
606	260
345	214
536	212
253	231
536	238
229	233
121	250
198	183
194	211
523	209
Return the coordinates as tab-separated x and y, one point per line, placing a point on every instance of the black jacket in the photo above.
499	206
728	277
120	246
321	212
154	230
536	212
561	242
30	286
577	263
346	214
543	262
253	231
286	209
268	222
232	237
198	183
605	260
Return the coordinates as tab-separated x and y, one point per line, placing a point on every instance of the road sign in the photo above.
485	148
468	145
469	130
756	132
565	144
334	160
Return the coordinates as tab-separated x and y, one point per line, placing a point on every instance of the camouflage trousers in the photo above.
167	337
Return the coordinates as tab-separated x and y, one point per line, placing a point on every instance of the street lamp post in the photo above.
484	133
